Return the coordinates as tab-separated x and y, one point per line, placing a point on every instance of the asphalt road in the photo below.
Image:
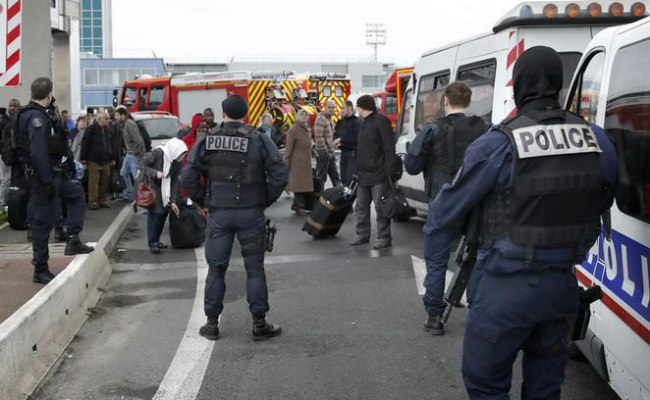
351	318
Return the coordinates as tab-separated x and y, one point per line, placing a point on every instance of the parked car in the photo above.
158	126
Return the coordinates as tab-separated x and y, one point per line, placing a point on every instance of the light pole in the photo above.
375	36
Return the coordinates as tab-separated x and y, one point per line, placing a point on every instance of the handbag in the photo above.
187	230
146	196
393	204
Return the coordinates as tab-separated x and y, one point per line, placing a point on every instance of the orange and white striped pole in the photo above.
516	49
10	41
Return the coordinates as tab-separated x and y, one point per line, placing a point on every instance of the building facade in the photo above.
96	30
100	76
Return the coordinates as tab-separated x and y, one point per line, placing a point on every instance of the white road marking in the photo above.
420	272
185	374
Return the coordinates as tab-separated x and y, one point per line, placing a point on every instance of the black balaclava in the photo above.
537	75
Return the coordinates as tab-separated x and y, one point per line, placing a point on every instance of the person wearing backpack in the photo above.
42	151
5	169
438	151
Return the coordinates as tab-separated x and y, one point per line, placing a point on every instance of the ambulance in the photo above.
611	87
279	93
485	63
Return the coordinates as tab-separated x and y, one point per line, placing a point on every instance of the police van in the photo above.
612	88
485	63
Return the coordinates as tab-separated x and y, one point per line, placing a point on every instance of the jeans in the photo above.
128	172
437	248
348	165
326	165
365	195
5	182
155	226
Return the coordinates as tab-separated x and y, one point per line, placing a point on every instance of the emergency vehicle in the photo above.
485	63
389	101
612	89
281	94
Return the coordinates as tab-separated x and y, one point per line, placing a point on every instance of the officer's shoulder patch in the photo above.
37	122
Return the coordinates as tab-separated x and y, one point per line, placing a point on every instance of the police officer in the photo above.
42	150
540	180
438	152
244	173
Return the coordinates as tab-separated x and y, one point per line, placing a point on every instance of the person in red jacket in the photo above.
199	127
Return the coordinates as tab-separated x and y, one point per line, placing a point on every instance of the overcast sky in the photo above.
219	30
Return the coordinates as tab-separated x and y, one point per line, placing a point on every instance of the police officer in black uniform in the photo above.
244	173
541	181
438	152
42	150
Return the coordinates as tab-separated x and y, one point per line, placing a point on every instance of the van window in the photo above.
480	77
428	105
627	120
327	91
584	99
156	96
404	118
338	91
391	105
569	64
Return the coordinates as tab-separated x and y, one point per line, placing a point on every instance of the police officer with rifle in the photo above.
244	173
42	151
541	181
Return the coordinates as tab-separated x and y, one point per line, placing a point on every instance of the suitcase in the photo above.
17	200
330	212
312	198
187	231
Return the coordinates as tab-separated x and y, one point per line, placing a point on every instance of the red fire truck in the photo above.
280	94
389	101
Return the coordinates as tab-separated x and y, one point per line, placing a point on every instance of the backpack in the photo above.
9	143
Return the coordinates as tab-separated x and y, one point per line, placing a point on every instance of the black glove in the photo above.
50	191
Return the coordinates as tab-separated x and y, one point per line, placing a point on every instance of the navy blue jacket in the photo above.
347	129
487	167
277	175
38	127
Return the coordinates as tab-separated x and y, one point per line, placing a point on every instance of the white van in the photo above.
612	88
485	63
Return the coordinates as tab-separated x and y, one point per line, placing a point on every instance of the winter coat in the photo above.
133	142
347	130
97	146
150	165
298	157
376	160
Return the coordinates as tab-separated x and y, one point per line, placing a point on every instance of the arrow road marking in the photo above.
185	374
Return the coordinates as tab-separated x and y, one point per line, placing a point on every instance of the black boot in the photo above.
210	330
434	325
43	275
59	234
75	246
262	330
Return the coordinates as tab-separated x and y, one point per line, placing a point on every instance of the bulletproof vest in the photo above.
57	141
455	133
553	199
233	163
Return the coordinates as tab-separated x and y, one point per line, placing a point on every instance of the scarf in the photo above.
171	151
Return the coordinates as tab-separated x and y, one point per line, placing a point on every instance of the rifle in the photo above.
465	259
581	323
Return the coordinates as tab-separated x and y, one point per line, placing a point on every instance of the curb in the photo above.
33	338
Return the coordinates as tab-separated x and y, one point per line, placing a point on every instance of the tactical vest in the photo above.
454	136
234	167
553	199
57	142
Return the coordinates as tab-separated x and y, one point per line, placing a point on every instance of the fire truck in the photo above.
389	101
280	94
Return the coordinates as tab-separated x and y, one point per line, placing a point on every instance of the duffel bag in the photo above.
187	230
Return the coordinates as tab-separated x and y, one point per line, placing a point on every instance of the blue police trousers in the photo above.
529	311
223	225
43	214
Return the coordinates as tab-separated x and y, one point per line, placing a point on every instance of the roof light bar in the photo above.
616	9
638	9
595	10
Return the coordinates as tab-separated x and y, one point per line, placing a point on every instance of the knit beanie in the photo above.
367	102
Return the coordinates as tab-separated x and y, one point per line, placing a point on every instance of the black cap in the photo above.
235	107
367	102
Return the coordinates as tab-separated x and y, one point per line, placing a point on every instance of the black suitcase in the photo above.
17	200
187	231
312	198
330	212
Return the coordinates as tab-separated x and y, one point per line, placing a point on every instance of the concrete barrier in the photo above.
35	336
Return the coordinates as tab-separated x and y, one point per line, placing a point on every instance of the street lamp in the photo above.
375	36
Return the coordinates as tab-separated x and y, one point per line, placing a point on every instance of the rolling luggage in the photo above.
17	200
312	198
331	210
187	231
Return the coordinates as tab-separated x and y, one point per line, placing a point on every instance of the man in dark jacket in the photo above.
375	165
98	155
347	133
